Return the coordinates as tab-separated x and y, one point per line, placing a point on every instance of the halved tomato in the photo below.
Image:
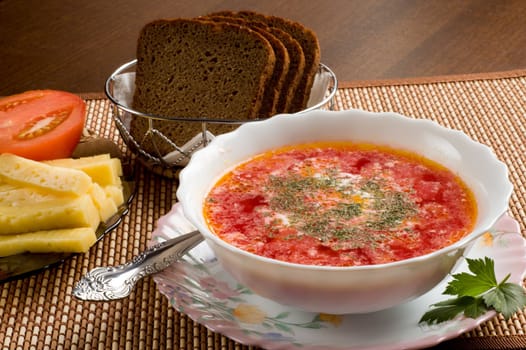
41	124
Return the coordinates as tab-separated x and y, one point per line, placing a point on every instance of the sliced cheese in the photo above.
6	187
75	240
104	203
101	168
116	193
15	196
54	214
71	162
25	172
56	206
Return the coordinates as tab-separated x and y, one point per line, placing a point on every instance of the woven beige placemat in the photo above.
39	311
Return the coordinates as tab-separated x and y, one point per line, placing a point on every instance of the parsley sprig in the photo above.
476	293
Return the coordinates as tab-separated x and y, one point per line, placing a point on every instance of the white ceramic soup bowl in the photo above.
357	289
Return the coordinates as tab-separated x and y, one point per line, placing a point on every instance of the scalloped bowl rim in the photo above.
216	148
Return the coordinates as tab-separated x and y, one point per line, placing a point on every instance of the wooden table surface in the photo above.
74	45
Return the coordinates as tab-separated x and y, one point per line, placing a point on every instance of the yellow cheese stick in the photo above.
11	195
25	172
115	192
6	187
103	202
74	240
70	162
54	214
101	168
25	196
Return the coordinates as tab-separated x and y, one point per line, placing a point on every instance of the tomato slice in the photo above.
41	124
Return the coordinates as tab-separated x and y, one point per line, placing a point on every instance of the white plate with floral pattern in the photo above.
198	287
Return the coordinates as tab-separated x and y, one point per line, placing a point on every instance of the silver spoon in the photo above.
117	282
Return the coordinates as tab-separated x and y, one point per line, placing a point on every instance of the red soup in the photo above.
340	204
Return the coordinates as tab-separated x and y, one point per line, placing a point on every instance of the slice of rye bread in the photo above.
192	68
308	41
274	86
296	67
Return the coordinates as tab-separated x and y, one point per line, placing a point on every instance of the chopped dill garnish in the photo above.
297	195
347	210
391	210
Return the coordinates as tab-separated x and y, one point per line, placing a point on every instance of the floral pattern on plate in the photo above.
198	287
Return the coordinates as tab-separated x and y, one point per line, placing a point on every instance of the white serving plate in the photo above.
198	287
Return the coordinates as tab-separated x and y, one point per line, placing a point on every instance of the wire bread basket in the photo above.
157	148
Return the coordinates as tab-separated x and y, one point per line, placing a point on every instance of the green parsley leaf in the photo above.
449	309
505	297
476	308
477	292
482	279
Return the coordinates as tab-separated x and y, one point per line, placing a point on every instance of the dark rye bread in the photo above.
295	71
306	38
193	68
275	84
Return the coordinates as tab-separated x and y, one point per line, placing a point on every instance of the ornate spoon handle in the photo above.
116	282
